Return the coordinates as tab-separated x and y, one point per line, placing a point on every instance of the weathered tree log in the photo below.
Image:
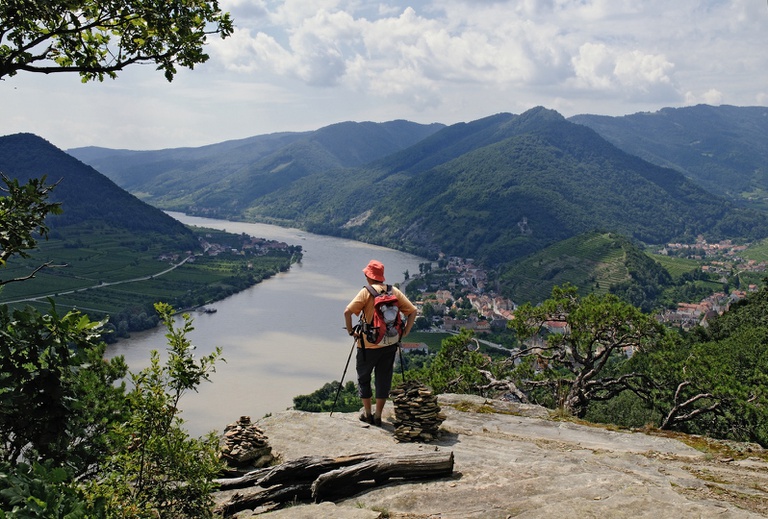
278	495
316	478
307	468
246	480
336	483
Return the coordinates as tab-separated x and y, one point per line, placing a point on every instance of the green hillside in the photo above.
601	262
88	197
137	171
526	182
498	190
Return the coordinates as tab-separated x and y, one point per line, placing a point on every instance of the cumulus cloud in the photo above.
392	54
511	44
631	73
711	97
456	60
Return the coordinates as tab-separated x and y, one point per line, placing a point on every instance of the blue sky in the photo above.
300	65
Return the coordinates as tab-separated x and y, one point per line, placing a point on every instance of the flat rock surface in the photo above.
513	461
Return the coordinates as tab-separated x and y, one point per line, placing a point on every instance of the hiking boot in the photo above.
367	418
376	420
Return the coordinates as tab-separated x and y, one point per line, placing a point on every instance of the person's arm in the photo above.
348	321
409	324
408	310
354	308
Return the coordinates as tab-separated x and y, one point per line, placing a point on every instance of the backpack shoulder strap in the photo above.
375	292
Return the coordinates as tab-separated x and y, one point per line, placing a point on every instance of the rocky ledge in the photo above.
512	460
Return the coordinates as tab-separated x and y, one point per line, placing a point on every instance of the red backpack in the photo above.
387	325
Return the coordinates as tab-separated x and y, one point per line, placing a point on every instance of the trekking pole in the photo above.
341	383
402	366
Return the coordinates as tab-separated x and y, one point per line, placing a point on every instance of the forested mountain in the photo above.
224	178
496	189
723	149
88	198
503	187
137	170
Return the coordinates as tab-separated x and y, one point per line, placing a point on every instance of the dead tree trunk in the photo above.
307	468
315	478
276	497
246	480
336	484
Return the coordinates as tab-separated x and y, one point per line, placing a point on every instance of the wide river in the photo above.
281	338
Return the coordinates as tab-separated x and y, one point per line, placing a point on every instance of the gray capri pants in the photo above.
379	361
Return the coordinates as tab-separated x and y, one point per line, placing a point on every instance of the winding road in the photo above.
100	285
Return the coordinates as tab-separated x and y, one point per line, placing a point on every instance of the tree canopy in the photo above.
65	419
23	208
98	39
589	334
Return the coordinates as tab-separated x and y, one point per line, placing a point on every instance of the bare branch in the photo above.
674	415
31	275
502	385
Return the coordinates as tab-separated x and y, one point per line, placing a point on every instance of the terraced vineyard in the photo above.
676	266
757	251
592	262
80	265
102	275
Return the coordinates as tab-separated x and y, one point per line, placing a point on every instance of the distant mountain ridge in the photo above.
496	189
723	149
135	169
515	185
223	178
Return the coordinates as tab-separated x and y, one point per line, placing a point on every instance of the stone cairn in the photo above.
417	414
244	445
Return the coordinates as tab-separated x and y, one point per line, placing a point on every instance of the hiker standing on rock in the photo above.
376	353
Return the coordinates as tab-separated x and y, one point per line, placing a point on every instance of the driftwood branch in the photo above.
315	478
272	498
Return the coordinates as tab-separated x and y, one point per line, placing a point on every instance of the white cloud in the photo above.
710	97
594	67
294	64
318	46
504	43
245	53
646	75
292	13
629	73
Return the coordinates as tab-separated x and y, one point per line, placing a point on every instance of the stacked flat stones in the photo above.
245	445
417	414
